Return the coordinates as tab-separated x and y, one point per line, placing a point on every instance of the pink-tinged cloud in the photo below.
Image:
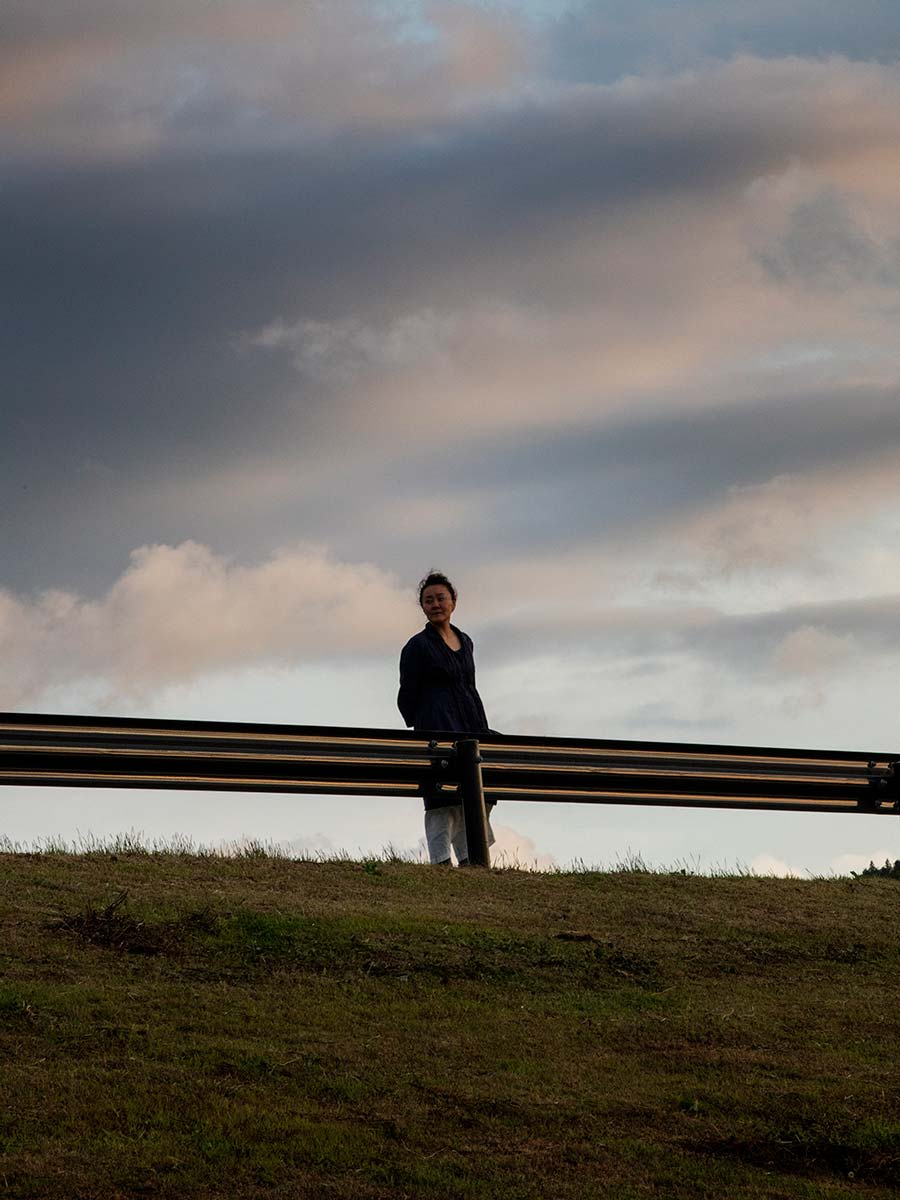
181	612
253	71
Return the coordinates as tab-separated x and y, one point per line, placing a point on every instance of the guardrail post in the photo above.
472	790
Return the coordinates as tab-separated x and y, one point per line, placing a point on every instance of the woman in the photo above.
438	693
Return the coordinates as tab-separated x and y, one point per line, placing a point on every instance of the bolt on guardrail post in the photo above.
472	789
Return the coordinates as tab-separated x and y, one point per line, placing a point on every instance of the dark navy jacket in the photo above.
437	684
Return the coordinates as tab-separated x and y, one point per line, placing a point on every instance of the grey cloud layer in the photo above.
107	78
796	642
129	286
599	40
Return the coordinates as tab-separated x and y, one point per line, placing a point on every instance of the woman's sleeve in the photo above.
410	679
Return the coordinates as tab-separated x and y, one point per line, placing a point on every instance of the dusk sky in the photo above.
592	305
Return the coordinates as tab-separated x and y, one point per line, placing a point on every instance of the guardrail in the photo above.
81	751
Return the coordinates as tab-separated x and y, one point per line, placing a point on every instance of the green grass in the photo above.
187	1025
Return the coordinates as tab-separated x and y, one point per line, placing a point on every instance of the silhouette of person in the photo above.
438	694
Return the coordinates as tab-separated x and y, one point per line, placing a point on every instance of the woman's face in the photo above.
437	603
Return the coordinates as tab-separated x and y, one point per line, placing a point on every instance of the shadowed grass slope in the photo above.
193	1026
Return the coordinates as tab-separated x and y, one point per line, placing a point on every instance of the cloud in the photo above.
80	83
339	352
824	247
754	639
791	523
809	651
577	213
560	280
594	40
810	655
658	662
516	850
770	864
852	860
180	612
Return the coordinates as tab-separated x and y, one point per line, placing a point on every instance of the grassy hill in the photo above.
191	1026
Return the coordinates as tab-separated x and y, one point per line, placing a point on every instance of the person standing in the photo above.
438	694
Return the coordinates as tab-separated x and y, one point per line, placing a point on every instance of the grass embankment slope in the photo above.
265	1028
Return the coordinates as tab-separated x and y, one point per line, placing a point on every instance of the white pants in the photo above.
446	827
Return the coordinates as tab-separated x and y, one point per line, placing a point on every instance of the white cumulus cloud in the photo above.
180	612
770	864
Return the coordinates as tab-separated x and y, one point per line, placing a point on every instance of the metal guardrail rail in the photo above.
84	751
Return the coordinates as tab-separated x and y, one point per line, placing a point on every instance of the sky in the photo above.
592	305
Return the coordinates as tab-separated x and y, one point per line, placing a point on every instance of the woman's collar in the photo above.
429	628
